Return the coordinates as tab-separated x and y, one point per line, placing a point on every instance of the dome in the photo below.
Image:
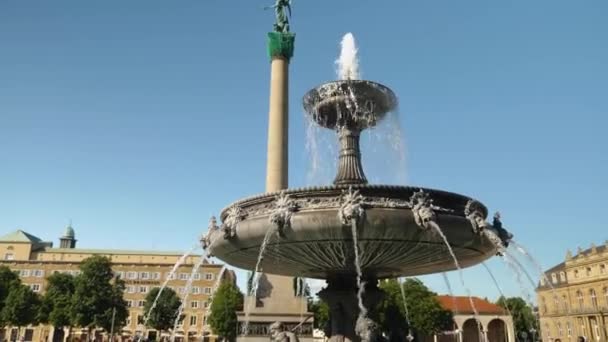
69	232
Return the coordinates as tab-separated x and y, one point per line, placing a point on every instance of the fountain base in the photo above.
345	325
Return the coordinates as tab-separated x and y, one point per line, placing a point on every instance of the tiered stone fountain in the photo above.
316	227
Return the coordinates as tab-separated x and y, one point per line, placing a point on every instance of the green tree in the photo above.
163	316
114	318
96	295
8	280
226	301
56	306
21	307
426	315
523	316
320	311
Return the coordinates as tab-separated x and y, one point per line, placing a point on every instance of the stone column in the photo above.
278	125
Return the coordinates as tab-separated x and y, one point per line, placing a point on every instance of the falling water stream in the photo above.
170	276
409	336
360	285
186	294
460	274
252	297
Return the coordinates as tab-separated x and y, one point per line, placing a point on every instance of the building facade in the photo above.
34	260
573	297
486	321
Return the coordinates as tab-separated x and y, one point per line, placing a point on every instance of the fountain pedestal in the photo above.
341	297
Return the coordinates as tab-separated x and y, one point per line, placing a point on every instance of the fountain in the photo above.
353	233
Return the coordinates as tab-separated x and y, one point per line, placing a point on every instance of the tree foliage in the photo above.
163	316
8	280
426	315
21	306
96	295
116	315
523	316
320	311
226	301
56	307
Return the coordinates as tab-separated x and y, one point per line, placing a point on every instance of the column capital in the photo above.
281	44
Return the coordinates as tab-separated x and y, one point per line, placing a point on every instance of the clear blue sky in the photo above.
139	119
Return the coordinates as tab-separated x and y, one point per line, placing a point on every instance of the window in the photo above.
581	299
143	289
206	305
119	274
38	273
565	304
9	256
602	268
556	302
194	304
24	273
593	298
140	319
131	275
130	289
575	273
560	332
209	276
588	271
196	290
192	320
544	304
553	278
180	290
569	329
606	295
156	275
562	276
35	287
141	303
183	276
181	320
542	281
129	303
197	276
128	322
207	290
144	275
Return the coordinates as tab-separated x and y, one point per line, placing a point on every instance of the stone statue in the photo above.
282	10
368	330
278	333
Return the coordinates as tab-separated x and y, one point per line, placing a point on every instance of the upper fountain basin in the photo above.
308	236
349	103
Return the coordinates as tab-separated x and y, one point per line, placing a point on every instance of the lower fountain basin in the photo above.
317	244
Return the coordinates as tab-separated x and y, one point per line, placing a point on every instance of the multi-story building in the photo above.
34	259
573	297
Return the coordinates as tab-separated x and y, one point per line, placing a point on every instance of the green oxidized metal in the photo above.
281	44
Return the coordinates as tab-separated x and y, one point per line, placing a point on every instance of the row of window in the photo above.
580	297
25	273
194	304
180	290
581	329
131	275
578	273
193	319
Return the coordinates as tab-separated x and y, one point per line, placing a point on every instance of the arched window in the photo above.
548	331
542	281
588	271
593	298
575	273
569	329
580	298
560	332
556	302
544	304
565	303
602	268
562	276
553	278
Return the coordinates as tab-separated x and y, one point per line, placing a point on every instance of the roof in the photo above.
69	232
462	305
20	236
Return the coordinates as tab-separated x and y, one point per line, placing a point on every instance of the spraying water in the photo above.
256	280
460	274
348	62
212	295
409	336
171	275
187	290
363	310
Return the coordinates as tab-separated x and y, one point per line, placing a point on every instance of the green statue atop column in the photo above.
281	40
